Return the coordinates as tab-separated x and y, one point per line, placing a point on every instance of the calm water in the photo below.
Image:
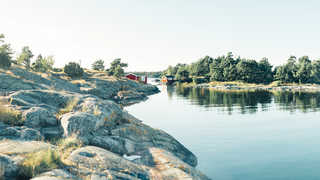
241	135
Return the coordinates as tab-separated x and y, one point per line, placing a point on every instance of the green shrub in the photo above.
10	116
57	70
39	162
5	53
73	69
43	64
5	61
69	106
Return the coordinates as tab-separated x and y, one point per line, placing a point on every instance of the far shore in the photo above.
239	86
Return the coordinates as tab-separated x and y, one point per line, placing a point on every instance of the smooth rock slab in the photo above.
14	147
56	174
19	133
39	117
167	166
95	162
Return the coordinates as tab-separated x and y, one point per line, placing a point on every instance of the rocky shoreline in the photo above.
226	87
84	123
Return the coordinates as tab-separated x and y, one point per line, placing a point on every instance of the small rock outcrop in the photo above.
19	132
105	164
56	174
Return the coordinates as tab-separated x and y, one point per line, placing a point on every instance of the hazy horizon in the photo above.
151	35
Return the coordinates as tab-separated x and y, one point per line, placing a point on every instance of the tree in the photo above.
43	64
248	71
170	71
182	74
201	67
116	67
265	71
315	72
73	69
216	71
98	65
303	73
118	72
287	72
5	53
25	57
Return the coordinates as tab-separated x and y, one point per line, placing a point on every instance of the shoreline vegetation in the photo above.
236	73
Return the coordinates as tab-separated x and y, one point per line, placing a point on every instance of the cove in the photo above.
240	135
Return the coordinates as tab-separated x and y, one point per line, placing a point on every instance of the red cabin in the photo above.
132	77
137	78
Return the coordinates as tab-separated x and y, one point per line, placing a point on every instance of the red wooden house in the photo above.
136	78
132	77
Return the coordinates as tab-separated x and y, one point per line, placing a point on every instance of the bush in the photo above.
39	162
10	116
5	53
57	70
5	61
73	70
69	106
98	65
43	64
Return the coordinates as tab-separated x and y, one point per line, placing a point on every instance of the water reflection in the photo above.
248	101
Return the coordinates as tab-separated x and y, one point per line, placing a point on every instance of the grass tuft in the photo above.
69	106
9	115
38	162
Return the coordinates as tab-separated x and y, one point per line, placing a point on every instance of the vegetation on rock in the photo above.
69	106
25	57
73	70
43	64
9	115
5	53
38	162
98	65
116	68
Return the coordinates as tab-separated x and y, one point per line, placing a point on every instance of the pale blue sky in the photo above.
150	34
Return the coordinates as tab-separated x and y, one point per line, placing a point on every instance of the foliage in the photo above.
5	53
182	74
39	162
25	57
73	69
228	68
199	80
67	145
43	64
9	115
69	106
118	72
98	65
116	68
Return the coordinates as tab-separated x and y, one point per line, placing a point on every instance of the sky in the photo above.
150	35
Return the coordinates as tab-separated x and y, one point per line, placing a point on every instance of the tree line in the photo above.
45	63
230	68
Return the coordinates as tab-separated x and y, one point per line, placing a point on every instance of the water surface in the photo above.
241	135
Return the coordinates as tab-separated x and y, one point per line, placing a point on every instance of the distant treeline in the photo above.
230	68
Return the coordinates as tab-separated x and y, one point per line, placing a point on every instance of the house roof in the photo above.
131	74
